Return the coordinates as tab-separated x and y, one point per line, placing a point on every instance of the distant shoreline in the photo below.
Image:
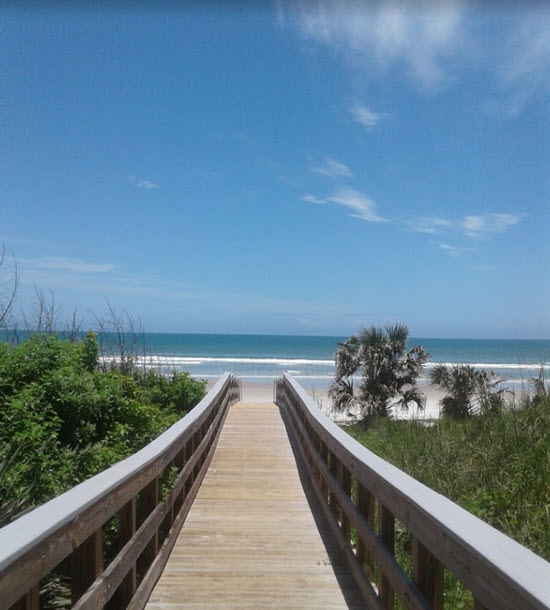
254	391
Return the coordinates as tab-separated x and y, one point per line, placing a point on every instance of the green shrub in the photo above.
178	390
63	420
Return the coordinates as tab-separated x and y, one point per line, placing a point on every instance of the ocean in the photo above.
262	358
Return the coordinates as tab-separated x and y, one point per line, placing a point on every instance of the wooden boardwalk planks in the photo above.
252	539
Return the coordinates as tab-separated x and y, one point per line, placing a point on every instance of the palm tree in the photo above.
470	391
387	370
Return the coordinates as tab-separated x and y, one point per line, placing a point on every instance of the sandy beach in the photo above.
263	392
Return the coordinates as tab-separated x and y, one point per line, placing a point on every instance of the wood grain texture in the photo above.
428	574
126	530
252	539
86	564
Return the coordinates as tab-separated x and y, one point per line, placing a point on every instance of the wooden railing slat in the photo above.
428	575
30	601
386	531
86	564
149	498
126	531
365	506
333	469
345	482
179	462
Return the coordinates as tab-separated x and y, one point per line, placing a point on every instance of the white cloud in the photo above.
365	116
454	250
333	168
473	225
143	184
417	36
312	199
447	247
487	224
429	224
362	206
436	43
66	264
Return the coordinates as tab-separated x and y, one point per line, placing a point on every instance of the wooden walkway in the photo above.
245	524
255	537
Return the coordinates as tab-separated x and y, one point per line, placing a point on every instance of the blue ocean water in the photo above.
264	357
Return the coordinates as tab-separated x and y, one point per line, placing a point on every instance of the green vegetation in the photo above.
494	465
470	391
388	371
63	420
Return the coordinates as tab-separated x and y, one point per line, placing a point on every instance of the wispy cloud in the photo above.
385	34
143	184
454	250
365	116
312	199
474	225
362	206
519	61
334	169
205	173
435	44
525	68
487	224
66	264
73	277
428	224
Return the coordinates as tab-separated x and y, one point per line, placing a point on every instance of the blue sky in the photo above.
300	169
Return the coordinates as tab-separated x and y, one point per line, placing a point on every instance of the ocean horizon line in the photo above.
61	332
342	336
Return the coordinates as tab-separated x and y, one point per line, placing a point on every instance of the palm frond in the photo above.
371	337
439	376
342	395
413	395
398	333
470	390
346	359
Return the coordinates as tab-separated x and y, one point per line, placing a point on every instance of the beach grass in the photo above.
494	465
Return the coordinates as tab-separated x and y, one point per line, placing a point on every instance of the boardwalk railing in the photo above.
148	495
363	496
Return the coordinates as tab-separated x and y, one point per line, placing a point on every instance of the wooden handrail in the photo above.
355	486
70	525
